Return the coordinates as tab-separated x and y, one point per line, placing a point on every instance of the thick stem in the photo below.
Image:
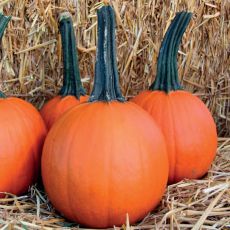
72	81
106	80
4	20
2	95
167	73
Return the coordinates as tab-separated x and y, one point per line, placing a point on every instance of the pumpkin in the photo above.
185	121
72	93
105	158
22	135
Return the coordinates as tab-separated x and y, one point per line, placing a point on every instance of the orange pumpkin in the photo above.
187	124
72	92
21	139
105	158
22	135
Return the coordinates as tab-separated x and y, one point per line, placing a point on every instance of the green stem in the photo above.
167	73
106	80
4	20
2	95
72	81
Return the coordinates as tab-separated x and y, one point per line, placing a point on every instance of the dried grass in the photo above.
189	204
31	63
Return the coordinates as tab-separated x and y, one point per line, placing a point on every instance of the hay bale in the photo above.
31	62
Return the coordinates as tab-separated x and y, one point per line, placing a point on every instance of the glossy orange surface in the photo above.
22	134
189	130
103	160
54	108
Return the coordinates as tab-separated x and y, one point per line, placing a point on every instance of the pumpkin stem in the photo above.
72	81
4	20
2	95
167	73
106	80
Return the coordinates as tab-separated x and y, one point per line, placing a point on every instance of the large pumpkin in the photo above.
187	124
105	158
22	135
72	92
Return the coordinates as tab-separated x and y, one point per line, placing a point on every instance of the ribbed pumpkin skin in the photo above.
103	160
22	135
54	108
189	130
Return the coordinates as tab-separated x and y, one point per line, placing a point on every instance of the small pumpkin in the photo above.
72	93
22	135
105	158
187	124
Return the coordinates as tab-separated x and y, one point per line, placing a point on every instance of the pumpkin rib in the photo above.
174	163
12	179
69	185
25	121
174	117
56	129
156	106
69	181
7	132
110	159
